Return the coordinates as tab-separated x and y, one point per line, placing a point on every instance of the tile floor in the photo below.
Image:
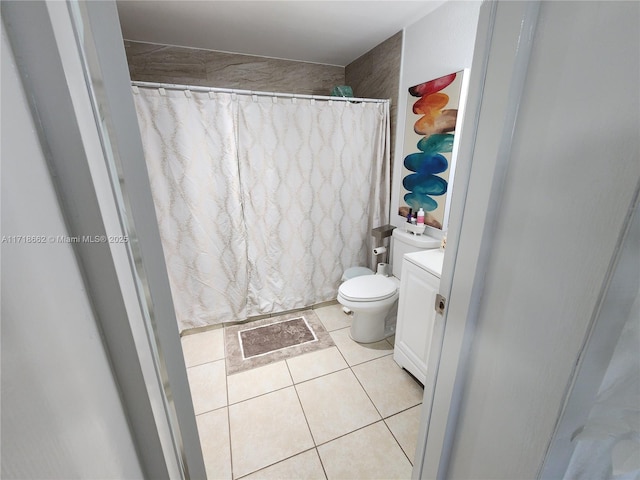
345	412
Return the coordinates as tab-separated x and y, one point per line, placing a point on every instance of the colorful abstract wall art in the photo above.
432	114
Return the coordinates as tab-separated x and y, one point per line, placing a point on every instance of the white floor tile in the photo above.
332	317
335	404
208	385
404	427
390	388
354	352
213	429
258	381
315	364
203	347
305	466
266	430
274	425
369	453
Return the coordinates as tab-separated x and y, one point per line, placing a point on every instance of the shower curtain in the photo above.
262	202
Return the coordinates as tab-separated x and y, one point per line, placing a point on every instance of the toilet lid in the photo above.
368	288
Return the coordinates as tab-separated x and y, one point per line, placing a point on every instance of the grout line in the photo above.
349	433
370	360
205	362
399	445
367	393
203	329
260	395
404	410
275	463
304	414
212	410
323	375
397	441
293	382
324	470
306	420
341	354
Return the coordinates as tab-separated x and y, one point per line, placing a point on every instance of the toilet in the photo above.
373	297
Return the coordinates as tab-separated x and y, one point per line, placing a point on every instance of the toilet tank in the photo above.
404	242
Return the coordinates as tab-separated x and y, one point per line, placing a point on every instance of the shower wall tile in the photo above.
148	61
376	74
191	66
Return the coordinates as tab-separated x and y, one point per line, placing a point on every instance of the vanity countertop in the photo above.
430	260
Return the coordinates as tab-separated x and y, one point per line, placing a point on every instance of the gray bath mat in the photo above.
261	342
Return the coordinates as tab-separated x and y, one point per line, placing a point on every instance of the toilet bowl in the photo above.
370	298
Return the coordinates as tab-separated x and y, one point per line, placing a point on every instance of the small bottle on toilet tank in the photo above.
421	216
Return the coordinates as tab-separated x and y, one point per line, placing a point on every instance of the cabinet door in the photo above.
416	316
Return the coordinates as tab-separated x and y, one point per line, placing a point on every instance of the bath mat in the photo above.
261	342
257	341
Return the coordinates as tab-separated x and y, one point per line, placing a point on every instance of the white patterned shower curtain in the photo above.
262	202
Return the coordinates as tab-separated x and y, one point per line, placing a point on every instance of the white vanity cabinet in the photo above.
416	314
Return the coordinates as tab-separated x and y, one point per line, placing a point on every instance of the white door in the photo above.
550	152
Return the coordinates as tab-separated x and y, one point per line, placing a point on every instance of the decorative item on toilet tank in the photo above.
430	146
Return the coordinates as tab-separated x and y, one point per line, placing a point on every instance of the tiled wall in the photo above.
376	74
190	66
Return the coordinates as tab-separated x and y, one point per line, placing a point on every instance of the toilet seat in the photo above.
368	288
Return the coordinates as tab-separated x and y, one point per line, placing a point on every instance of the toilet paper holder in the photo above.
379	234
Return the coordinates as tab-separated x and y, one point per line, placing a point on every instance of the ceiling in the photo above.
328	32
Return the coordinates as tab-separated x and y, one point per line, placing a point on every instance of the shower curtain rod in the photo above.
194	88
